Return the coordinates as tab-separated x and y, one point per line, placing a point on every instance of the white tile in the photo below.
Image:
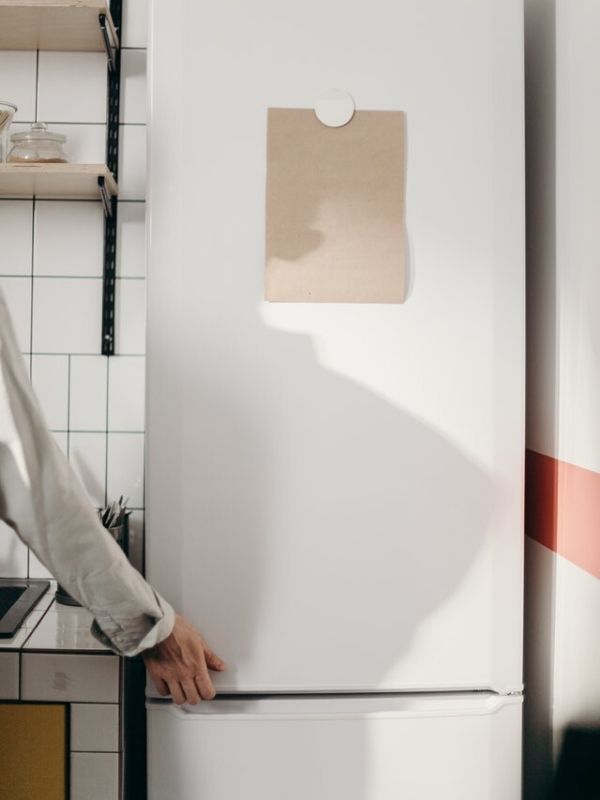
50	378
65	628
126	393
17	292
66	677
88	393
9	676
36	568
72	87
126	468
13	554
69	239
86	144
133	87
95	727
130	317
94	776
131	240
135	23
132	162
15	234
17	82
87	454
67	315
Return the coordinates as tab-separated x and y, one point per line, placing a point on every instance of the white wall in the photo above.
563	120
51	268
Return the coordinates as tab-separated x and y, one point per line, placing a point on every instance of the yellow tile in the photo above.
33	754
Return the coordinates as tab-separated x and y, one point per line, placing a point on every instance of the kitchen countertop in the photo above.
51	626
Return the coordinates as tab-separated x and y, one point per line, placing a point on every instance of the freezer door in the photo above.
334	491
422	748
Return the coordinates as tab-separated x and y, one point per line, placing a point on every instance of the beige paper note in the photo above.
335	228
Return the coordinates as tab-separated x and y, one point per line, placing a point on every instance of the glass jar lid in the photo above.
38	132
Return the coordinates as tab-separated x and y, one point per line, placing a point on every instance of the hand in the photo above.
179	665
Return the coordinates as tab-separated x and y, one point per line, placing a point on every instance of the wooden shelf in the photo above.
51	25
55	181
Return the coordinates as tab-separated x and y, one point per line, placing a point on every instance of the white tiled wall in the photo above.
51	274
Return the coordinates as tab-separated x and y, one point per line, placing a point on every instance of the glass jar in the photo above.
37	145
7	112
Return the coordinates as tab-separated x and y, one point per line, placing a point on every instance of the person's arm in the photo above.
42	499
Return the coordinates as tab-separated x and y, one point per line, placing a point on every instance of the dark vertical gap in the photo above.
540	588
142	544
134	729
67	708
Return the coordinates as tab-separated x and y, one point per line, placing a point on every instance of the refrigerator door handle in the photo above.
327	707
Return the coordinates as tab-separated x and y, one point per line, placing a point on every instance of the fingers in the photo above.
204	683
190	691
205	690
184	691
161	686
213	661
176	693
179	665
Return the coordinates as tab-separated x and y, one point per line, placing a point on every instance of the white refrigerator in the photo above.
334	490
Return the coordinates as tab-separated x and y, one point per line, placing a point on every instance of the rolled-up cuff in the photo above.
134	636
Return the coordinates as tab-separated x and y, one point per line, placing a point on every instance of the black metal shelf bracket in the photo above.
104	195
110	37
111	42
109	275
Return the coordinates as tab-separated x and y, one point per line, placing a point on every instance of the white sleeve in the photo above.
42	499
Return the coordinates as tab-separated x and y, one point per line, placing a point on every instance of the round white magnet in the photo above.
334	107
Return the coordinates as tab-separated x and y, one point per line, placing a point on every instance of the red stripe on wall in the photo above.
562	509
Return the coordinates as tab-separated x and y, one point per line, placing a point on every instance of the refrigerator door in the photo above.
411	748
334	490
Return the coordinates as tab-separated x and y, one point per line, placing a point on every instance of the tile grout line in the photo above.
73	277
69	407
32	631
37	75
98	430
31	351
106	440
37	82
79	122
33	212
26	355
19	198
31	339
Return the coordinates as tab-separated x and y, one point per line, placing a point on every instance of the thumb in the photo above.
213	661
